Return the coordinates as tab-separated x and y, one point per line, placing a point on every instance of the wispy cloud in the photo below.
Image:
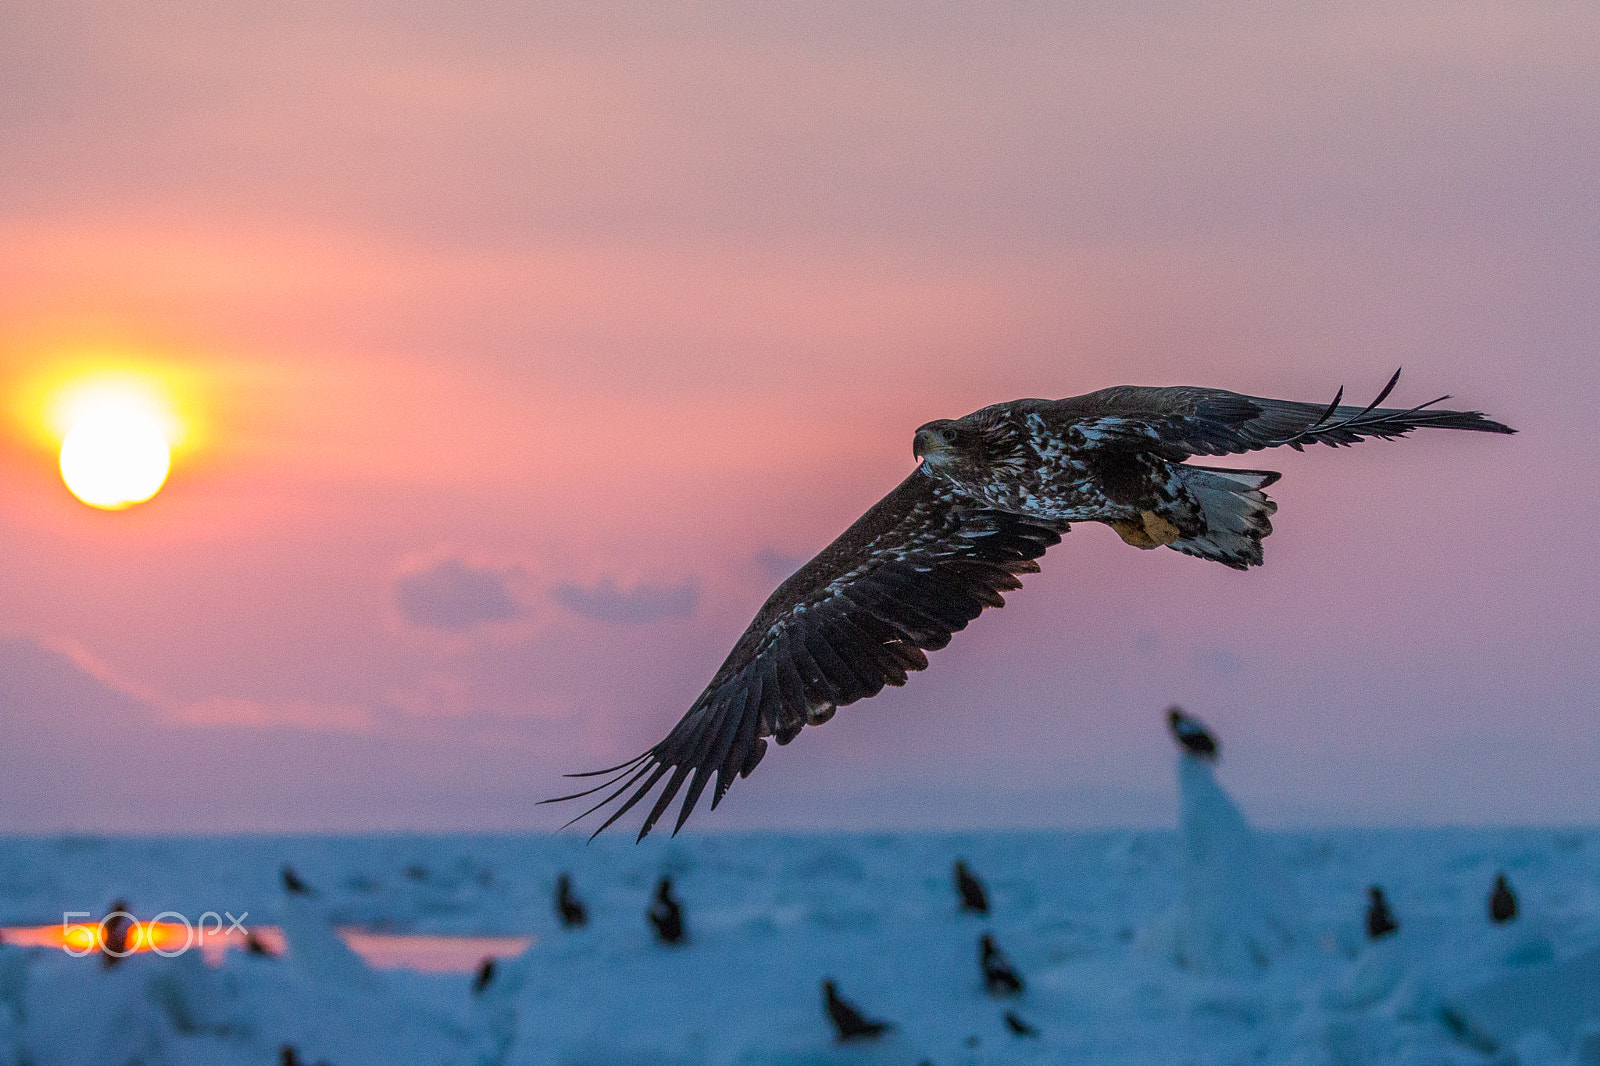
454	595
606	601
775	564
262	714
1218	662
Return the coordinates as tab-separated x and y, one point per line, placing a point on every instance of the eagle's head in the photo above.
965	449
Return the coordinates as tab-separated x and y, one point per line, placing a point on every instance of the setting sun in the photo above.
116	451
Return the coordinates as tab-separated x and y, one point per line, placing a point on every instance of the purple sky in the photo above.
527	346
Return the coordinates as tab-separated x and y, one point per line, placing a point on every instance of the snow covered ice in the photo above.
771	915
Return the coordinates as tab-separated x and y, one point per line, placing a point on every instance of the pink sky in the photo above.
526	345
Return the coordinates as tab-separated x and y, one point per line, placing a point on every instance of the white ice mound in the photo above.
1560	999
1237	909
318	951
144	1010
1519	944
337	985
1374	976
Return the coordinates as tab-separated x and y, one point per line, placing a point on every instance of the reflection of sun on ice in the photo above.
116	451
89	935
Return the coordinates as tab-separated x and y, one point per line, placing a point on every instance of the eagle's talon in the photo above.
1151	531
1134	534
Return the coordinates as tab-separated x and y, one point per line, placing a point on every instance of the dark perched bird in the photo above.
485	974
999	976
253	944
969	888
568	907
114	933
1380	920
292	883
665	914
1019	1027
992	491
1502	901
1192	735
847	1021
289	1056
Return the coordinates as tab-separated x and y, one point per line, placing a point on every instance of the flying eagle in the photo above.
992	492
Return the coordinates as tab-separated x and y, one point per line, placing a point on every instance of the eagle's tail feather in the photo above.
1237	513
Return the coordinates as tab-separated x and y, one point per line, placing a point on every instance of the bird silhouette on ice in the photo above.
1192	735
1000	978
1502	901
1380	919
114	940
1018	1026
569	908
485	975
847	1021
666	914
969	888
292	883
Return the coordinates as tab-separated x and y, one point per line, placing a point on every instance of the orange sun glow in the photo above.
116	441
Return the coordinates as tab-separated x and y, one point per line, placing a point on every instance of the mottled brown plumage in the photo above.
994	490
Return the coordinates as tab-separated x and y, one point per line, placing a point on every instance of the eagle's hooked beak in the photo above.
926	443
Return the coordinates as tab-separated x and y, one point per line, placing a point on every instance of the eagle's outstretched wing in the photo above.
917	567
1181	421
